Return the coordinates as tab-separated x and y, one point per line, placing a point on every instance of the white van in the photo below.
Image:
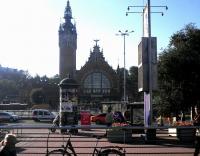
42	115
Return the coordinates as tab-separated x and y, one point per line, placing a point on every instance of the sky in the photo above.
29	30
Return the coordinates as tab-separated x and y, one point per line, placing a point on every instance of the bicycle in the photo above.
68	149
65	150
107	150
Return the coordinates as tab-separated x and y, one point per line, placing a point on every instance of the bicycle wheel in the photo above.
111	152
60	152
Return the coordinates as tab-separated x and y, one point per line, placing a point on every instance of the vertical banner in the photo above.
147	111
145	22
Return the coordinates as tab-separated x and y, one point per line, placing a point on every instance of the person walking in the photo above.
196	122
109	117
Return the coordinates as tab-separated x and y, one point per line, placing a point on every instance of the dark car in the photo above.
8	117
99	119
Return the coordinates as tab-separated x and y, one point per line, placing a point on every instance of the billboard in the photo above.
143	65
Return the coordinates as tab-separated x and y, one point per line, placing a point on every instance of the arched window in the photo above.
96	83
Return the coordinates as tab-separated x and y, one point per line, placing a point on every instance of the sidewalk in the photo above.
34	142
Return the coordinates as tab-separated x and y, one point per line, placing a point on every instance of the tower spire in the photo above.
68	12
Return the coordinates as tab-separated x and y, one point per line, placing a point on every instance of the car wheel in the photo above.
12	120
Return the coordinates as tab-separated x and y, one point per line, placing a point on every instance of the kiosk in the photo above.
68	104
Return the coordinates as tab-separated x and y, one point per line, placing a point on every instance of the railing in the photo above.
34	140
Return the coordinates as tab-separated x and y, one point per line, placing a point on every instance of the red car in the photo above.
99	119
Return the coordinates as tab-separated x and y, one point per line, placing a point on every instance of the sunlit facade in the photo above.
97	80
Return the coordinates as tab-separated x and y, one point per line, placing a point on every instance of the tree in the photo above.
120	73
132	85
178	70
37	96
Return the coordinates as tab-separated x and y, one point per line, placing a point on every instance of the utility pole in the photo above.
124	34
149	95
148	112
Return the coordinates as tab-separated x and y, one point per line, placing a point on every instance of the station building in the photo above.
97	80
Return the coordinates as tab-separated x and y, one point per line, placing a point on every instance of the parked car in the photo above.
42	115
8	117
99	119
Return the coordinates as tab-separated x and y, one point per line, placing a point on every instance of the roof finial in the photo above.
96	41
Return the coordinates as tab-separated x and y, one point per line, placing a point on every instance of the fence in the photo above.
38	140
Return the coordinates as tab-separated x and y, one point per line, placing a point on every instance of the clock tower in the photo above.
67	45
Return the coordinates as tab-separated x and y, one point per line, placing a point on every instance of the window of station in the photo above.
96	83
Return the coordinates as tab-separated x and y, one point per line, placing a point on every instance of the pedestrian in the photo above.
109	117
7	145
127	115
160	121
118	117
196	121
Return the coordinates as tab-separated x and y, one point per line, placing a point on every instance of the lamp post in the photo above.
124	34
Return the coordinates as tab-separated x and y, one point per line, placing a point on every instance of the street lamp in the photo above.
124	34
